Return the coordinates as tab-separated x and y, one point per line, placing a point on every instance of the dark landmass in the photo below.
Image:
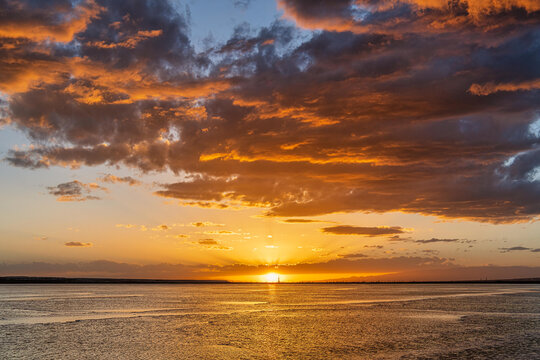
62	280
496	281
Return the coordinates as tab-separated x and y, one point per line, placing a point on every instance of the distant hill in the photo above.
62	280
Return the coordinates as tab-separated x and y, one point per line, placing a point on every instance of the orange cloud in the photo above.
130	42
490	87
41	25
392	16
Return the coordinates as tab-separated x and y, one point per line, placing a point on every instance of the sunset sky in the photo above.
349	140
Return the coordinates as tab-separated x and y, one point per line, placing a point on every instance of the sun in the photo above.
272	277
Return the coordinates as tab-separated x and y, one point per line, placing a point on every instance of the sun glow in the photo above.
272	277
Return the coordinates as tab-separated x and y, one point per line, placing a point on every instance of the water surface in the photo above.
270	321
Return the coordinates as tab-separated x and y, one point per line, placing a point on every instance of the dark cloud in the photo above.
432	240
407	15
77	244
75	191
301	221
435	240
58	20
421	107
363	230
518	248
352	256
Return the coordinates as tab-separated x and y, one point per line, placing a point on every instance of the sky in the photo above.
348	140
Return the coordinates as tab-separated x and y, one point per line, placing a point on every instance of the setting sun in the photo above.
272	277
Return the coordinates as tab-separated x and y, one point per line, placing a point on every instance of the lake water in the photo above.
270	321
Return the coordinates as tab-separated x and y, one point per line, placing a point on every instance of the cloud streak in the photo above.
363	230
77	244
519	248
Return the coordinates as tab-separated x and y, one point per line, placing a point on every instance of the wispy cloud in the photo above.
301	221
211	244
519	248
363	230
205	223
77	244
112	179
437	240
75	191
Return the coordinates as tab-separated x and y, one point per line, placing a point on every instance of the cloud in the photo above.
77	244
301	221
432	240
518	248
221	232
435	240
363	230
362	16
491	88
75	191
207	242
378	111
353	256
108	178
242	4
54	20
205	223
162	227
395	269
211	244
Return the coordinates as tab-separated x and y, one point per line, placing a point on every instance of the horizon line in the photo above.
106	280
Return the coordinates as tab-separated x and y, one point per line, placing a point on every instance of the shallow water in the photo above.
270	321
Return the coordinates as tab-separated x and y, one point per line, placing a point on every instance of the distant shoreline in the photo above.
65	280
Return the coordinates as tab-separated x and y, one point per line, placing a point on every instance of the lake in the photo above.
270	321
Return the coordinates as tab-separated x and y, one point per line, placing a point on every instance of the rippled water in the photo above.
265	321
